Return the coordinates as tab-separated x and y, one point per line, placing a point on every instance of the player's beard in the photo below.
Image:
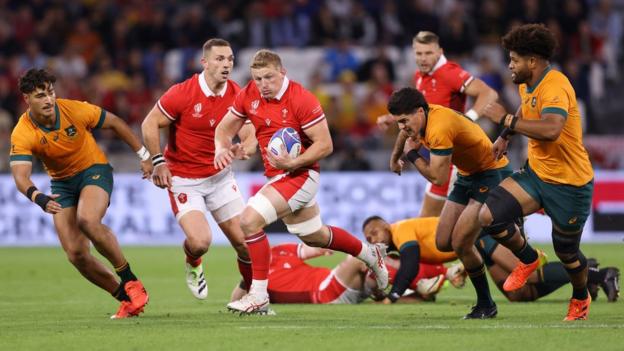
521	77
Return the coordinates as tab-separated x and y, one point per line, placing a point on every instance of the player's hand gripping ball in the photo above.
289	139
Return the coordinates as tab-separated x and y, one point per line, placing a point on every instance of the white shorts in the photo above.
217	194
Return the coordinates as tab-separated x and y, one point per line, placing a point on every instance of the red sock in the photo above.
244	267
194	261
260	255
341	240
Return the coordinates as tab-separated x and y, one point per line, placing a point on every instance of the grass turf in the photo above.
47	305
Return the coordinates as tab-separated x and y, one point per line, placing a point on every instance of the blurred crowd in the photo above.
122	55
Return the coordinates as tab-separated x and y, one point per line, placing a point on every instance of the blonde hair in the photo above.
426	37
263	58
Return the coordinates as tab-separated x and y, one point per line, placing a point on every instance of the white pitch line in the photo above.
445	327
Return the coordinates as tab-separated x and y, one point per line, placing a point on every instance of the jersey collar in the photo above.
441	62
57	123
206	89
282	91
531	88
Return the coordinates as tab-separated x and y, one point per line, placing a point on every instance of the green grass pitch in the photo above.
46	305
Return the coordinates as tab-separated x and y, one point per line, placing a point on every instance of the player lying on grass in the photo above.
414	239
500	262
292	280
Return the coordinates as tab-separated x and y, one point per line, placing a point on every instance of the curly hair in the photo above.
406	101
35	79
531	39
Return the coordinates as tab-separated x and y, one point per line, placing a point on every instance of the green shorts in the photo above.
70	188
486	246
477	186
567	205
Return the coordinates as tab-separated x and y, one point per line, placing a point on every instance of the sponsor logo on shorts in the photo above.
483	189
234	187
572	220
95	177
182	198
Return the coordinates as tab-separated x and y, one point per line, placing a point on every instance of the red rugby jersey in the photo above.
293	107
291	279
195	111
444	85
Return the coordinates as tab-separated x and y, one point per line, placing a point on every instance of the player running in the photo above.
558	175
272	101
192	110
444	83
58	132
453	138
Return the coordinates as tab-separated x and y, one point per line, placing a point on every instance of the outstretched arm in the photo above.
482	94
124	132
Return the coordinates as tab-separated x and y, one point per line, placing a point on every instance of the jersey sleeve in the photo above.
458	78
94	115
21	148
554	99
238	106
309	110
441	137
171	103
403	235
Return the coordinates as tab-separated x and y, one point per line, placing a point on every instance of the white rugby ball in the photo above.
289	138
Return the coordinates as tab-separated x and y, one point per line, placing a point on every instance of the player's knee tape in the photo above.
505	210
264	207
304	228
566	243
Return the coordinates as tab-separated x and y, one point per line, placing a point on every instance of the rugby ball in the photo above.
287	137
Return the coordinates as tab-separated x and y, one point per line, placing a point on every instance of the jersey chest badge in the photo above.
254	106
212	122
71	131
197	110
284	114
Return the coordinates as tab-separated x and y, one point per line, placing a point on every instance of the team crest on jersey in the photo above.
284	114
533	101
182	198
70	131
254	106
212	122
197	108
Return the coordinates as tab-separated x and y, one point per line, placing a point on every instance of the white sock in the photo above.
259	286
365	252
